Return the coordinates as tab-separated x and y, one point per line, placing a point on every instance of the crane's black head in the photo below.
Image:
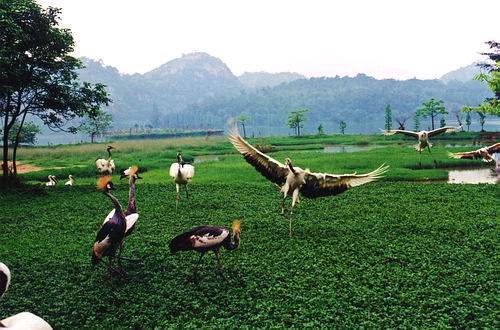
54	178
109	148
104	184
179	157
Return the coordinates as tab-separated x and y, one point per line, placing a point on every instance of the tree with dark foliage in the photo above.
38	77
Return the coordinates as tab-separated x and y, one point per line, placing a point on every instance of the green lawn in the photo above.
388	254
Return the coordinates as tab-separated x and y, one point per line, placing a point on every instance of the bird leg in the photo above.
195	268
282	206
177	197
187	192
219	268
295	196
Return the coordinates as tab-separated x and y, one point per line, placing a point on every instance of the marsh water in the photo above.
349	148
475	176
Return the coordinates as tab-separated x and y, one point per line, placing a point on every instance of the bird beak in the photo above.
122	176
138	177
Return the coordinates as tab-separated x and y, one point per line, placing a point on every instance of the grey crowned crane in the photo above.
131	215
106	166
70	181
23	320
292	180
52	181
423	136
207	238
182	173
486	153
112	232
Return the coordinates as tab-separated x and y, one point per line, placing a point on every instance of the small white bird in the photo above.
70	182
52	181
182	173
23	320
106	167
486	153
423	136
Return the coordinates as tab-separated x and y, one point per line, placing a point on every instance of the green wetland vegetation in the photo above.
407	251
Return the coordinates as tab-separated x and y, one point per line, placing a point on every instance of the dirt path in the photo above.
25	168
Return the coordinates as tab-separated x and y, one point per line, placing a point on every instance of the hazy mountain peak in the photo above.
197	64
254	80
462	74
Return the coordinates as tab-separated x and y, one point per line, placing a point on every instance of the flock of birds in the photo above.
292	181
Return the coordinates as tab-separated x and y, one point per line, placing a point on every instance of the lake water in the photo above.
206	158
474	176
348	148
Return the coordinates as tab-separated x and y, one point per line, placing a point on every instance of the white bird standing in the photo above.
70	182
23	320
294	179
105	167
52	181
486	153
182	173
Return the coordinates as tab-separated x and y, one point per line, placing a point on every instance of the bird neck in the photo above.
235	243
291	168
131	195
109	153
118	207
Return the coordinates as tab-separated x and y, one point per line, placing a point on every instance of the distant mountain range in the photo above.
200	91
463	74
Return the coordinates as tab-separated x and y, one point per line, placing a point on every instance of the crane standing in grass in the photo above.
106	167
131	215
293	180
23	320
182	173
112	232
52	181
207	238
71	181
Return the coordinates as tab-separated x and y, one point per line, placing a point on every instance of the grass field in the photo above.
394	253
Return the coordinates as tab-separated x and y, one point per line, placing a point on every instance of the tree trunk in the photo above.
432	120
16	144
92	137
5	158
298	128
244	132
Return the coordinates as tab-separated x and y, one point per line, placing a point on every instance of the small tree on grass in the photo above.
416	122
432	109
320	129
295	120
96	125
482	118
27	134
468	121
342	126
242	119
388	117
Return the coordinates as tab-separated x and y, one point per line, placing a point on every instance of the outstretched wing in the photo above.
445	129
465	155
399	131
324	184
267	166
494	148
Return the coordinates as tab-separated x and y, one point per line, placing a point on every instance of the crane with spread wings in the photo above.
292	179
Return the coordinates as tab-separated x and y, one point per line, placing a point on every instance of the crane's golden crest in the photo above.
236	226
103	182
133	170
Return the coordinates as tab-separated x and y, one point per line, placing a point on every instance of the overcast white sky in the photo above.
385	39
